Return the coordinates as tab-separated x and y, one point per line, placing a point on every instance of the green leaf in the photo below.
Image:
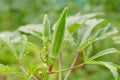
116	40
31	70
15	42
32	29
88	51
58	34
105	32
22	44
104	52
18	73
85	31
72	28
4	68
79	18
87	43
35	68
73	23
111	68
108	65
46	29
7	39
85	37
7	69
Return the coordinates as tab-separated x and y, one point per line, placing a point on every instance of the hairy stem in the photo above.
73	63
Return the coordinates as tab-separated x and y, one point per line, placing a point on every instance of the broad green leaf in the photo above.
32	29
58	34
103	52
85	31
79	18
75	22
105	32
46	29
15	42
85	37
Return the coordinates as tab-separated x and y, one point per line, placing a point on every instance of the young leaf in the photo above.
46	29
103	52
117	66
58	34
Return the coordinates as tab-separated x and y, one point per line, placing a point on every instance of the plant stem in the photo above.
34	77
47	58
41	76
60	66
75	67
73	63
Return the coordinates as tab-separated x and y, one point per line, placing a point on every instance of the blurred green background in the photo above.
15	13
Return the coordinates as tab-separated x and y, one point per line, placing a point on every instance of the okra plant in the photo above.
43	61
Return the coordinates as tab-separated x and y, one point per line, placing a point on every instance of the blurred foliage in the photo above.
14	13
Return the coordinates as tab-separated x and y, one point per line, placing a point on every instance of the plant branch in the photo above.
41	76
21	65
73	63
75	67
60	66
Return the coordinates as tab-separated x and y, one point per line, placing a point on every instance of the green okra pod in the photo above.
46	28
58	34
